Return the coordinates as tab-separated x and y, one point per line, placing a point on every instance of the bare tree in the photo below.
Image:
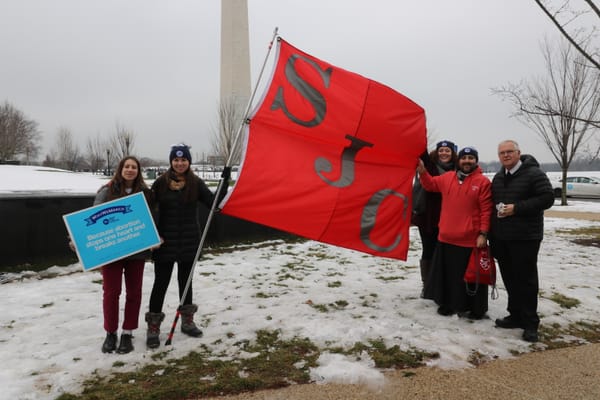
230	117
123	142
18	134
96	151
65	151
560	106
565	15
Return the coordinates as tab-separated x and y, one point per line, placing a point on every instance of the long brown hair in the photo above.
117	182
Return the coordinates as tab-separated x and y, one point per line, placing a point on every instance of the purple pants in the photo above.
112	278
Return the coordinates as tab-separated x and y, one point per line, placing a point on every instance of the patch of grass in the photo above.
334	284
555	336
279	363
582	231
591	235
284	276
392	357
564	301
476	358
339	304
391	278
262	295
319	307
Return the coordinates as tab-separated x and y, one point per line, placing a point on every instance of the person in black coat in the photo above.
177	194
427	205
521	192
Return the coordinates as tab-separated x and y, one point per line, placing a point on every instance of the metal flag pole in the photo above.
217	192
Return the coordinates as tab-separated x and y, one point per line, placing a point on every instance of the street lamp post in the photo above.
107	162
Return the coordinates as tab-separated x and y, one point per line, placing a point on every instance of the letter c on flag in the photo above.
367	220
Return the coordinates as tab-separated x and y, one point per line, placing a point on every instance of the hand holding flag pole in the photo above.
225	175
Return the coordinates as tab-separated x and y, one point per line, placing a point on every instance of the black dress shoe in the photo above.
472	315
509	322
445	311
530	335
125	345
110	343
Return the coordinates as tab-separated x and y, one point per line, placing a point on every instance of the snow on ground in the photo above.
51	329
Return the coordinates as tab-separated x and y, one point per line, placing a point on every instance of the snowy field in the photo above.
51	329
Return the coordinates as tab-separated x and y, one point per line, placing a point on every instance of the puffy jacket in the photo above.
466	207
530	190
178	221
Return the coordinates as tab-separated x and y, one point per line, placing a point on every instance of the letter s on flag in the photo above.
330	155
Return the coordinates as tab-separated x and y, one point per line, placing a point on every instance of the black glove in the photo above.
226	174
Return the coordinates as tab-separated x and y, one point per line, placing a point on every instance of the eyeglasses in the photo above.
506	152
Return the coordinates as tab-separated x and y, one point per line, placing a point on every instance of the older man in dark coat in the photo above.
521	192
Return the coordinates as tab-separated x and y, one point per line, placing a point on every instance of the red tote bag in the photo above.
480	270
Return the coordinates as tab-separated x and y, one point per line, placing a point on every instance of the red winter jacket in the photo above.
466	208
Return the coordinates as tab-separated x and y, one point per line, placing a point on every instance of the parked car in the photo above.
578	186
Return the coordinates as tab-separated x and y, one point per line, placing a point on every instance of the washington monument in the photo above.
235	52
235	76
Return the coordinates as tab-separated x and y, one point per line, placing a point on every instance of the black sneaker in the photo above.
530	335
125	345
110	343
508	322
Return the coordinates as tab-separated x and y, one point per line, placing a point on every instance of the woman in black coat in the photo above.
177	195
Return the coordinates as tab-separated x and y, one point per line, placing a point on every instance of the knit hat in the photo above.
470	151
446	143
180	150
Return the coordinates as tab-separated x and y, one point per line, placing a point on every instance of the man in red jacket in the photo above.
464	224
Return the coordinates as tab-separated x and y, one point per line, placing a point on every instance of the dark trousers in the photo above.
162	277
428	242
112	278
517	260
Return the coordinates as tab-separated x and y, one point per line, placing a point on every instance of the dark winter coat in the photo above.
104	194
530	190
177	220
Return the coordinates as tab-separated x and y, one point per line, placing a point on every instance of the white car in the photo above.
578	186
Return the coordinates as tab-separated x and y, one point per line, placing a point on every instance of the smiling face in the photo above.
444	154
467	163
508	154
129	172
180	165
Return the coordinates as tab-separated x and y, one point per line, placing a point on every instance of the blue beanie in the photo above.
180	150
446	143
471	151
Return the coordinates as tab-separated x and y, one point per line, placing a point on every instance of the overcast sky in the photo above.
152	66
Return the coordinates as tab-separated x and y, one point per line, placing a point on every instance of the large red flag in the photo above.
330	155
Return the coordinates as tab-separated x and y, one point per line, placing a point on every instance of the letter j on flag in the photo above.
330	155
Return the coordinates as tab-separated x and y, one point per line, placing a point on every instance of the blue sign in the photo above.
111	231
